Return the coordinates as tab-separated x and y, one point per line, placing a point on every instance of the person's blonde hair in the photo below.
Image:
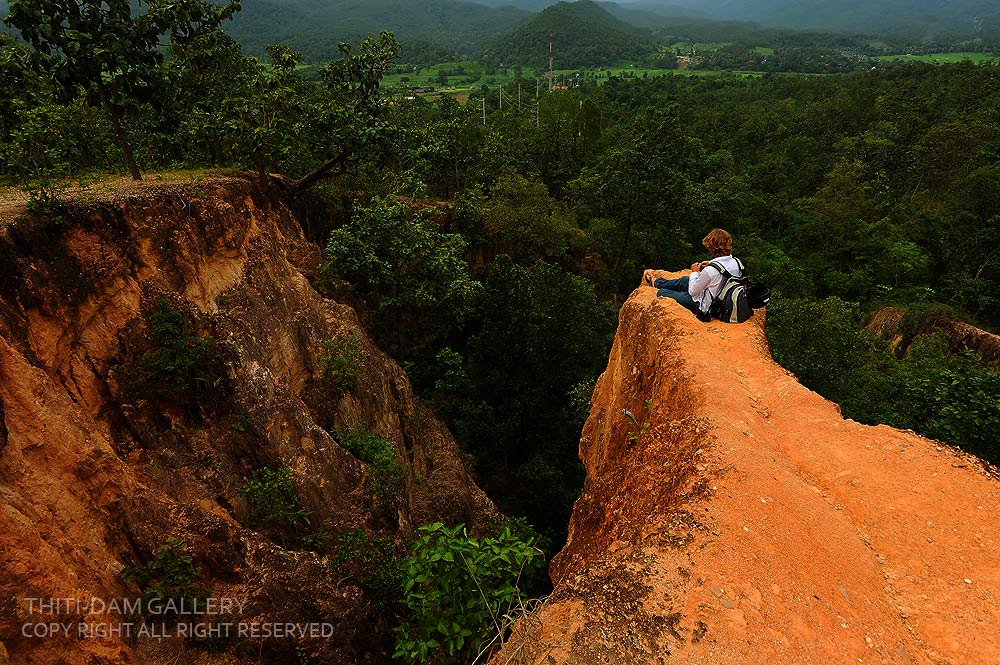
718	243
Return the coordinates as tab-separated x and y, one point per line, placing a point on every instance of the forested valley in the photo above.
488	248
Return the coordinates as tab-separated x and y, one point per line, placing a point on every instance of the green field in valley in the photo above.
697	47
475	75
639	72
941	57
455	75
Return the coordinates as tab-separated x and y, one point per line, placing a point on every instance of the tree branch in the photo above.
324	171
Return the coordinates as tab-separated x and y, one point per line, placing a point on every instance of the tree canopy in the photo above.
107	51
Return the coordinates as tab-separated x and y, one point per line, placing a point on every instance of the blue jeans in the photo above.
678	290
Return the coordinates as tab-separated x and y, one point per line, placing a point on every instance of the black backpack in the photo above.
758	295
732	305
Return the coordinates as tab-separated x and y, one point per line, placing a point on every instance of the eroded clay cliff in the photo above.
888	324
98	468
740	519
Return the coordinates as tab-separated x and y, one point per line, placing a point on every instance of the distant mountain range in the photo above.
532	6
583	34
314	27
908	19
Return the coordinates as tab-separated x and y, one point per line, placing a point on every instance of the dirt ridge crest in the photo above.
749	522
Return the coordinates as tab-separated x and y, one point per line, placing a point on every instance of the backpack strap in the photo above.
718	266
743	271
728	275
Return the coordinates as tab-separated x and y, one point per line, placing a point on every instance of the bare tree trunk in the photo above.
217	153
116	122
261	167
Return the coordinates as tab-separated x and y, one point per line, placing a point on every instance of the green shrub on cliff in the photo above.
380	461
169	579
181	355
373	563
824	344
459	589
339	363
272	501
951	397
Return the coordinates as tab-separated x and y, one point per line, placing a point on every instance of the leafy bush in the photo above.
954	398
380	459
373	563
169	577
412	275
272	501
340	362
951	397
824	344
182	355
43	199
458	590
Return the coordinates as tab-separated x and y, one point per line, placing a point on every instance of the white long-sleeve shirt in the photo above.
704	286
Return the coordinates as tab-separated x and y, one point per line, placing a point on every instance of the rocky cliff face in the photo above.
888	324
102	460
740	519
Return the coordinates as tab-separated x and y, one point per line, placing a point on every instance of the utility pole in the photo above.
501	97
537	82
484	108
550	62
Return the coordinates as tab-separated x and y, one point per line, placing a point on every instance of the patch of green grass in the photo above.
458	77
978	58
699	47
602	76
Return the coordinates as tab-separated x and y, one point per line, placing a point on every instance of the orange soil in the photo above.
751	523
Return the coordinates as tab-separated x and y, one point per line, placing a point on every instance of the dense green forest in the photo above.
498	290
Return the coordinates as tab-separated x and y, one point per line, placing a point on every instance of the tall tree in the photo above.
109	50
355	112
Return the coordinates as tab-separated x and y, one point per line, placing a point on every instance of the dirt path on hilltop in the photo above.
14	200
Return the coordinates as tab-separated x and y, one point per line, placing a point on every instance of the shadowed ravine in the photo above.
732	516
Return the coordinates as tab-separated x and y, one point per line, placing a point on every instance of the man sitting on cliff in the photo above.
697	291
